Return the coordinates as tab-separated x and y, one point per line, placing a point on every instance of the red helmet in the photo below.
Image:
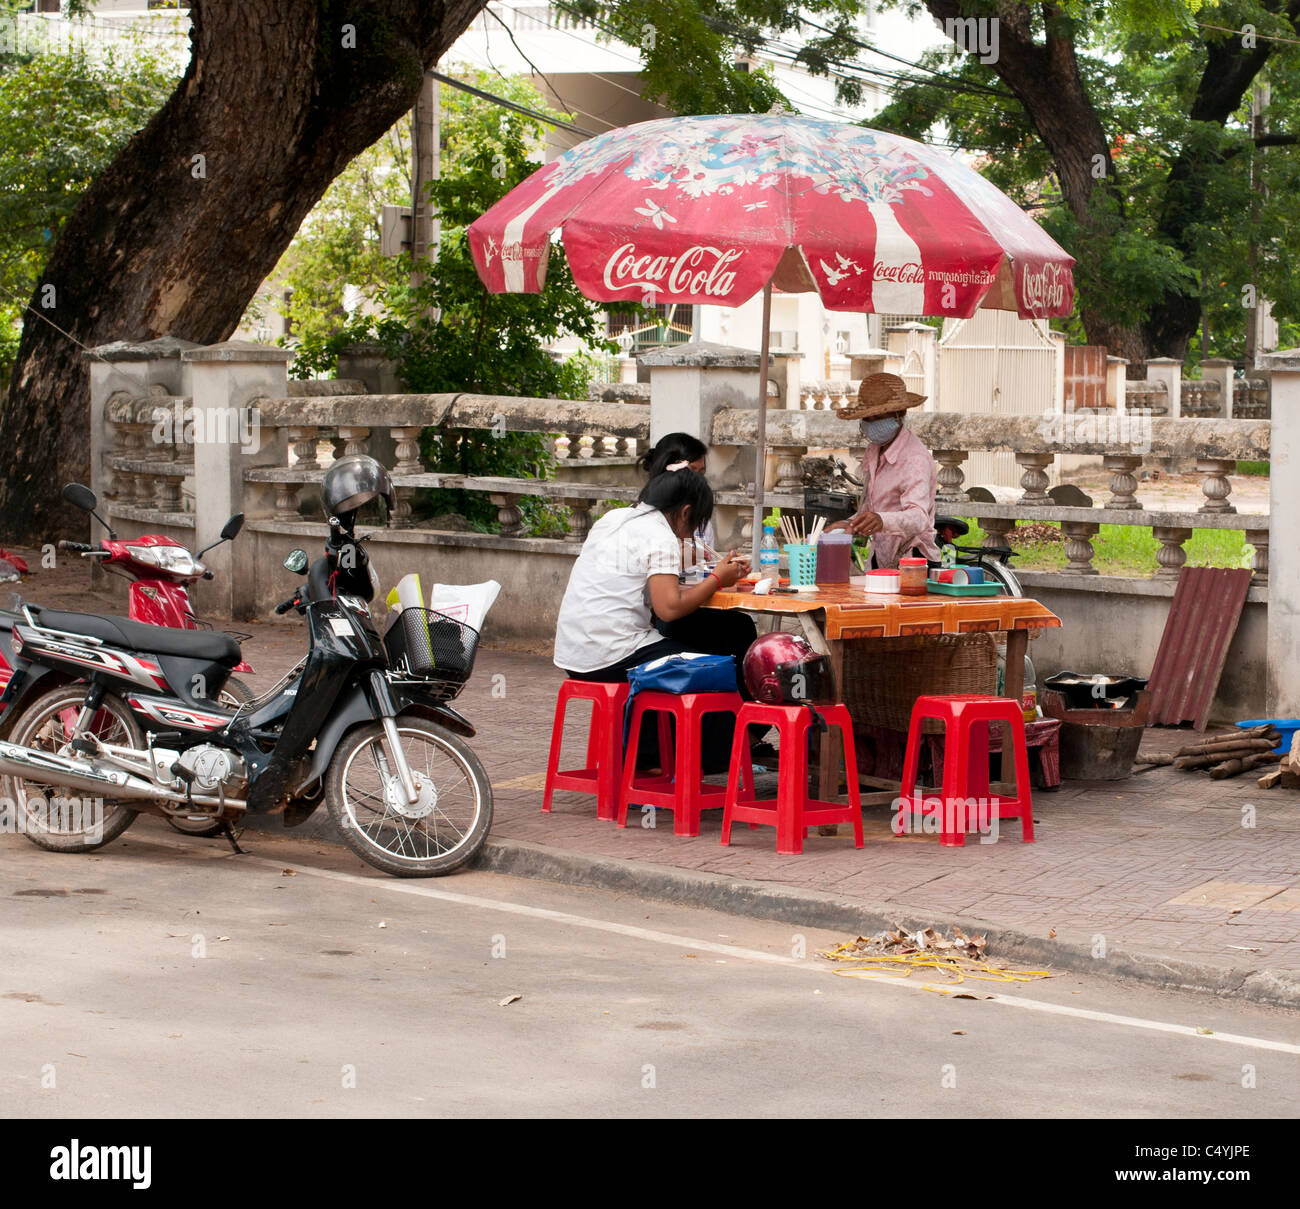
782	669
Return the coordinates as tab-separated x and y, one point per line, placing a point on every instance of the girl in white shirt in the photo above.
627	576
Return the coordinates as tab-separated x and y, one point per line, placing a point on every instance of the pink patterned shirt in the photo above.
899	485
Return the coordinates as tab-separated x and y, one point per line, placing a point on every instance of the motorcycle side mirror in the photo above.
83	498
228	532
80	497
296	562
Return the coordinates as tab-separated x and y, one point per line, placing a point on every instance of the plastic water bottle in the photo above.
769	555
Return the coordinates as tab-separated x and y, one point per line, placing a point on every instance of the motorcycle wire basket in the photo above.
430	646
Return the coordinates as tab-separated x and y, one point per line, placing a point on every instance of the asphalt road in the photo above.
165	976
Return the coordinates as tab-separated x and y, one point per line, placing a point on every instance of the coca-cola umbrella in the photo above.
713	209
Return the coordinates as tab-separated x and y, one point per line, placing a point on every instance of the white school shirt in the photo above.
605	613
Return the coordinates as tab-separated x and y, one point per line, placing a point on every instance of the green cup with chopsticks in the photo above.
803	564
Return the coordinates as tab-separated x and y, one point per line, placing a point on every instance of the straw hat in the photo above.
879	395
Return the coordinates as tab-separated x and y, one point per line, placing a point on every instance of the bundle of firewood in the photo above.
1231	755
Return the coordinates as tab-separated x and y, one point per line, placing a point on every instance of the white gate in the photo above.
997	363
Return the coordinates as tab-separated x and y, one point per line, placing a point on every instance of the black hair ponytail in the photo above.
673	490
675	447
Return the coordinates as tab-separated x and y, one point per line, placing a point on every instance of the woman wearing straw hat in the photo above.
898	474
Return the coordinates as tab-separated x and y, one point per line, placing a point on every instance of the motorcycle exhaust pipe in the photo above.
101	779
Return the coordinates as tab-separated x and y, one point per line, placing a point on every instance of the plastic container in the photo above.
834	557
883	580
913	573
803	565
769	555
1029	710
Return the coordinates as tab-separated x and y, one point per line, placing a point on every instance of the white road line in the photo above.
423	890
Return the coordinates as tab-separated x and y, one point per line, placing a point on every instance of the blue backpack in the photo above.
685	673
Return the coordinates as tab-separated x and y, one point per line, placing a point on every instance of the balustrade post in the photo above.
1123	482
579	520
1215	483
510	518
1078	546
951	476
789	472
1034	479
561	447
997	531
1171	556
407	451
1259	560
586	445
354	440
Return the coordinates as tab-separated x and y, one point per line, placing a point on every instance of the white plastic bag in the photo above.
466	603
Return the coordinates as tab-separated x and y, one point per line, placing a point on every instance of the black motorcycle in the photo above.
112	717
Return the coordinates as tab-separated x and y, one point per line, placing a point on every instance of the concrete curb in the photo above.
818	909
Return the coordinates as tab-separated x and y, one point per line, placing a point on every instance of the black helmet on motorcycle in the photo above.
351	483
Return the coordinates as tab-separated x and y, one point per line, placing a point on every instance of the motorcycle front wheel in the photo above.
441	830
57	817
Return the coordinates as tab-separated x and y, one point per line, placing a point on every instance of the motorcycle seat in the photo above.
152	639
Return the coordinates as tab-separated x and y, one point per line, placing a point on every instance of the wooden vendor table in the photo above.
831	615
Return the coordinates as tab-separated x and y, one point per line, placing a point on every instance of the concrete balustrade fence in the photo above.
184	436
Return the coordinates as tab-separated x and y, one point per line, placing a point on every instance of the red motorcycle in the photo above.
159	568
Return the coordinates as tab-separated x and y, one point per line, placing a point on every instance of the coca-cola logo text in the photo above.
1044	290
698	270
905	274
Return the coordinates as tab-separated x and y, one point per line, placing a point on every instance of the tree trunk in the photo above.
176	235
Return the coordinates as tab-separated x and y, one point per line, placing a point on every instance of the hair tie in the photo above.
676	466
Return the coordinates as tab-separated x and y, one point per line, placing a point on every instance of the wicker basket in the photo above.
884	677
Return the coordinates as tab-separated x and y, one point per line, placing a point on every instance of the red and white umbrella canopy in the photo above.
711	209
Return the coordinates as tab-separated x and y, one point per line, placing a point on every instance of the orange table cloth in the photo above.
853	613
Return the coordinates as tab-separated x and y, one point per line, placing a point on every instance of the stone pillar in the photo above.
1171	556
369	363
786	374
1170	372
1219	369
689	385
1284	554
226	381
1078	546
1034	479
869	361
1116	376
131	368
1123	483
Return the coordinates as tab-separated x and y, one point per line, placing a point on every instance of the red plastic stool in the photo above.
791	812
604	745
682	790
967	719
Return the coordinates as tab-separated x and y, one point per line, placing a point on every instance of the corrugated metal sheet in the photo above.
1085	377
1202	620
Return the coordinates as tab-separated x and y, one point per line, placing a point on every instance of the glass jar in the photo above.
912	574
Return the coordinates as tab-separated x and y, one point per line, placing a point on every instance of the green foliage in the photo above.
447	333
1147	237
63	117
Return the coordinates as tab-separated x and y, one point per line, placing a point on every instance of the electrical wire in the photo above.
484	95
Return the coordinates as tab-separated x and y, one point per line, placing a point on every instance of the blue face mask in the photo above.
881	430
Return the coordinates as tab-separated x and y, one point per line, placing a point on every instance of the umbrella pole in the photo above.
760	443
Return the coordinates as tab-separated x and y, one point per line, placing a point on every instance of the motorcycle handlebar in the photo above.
293	602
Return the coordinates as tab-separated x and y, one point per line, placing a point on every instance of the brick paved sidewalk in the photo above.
1159	863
